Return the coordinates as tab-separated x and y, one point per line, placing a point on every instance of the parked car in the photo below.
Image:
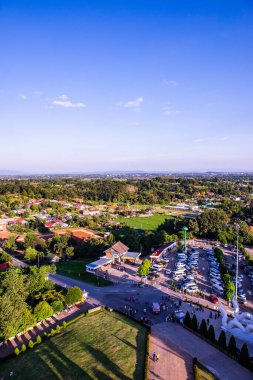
214	298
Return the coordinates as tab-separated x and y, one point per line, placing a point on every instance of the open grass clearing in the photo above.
102	346
76	269
148	223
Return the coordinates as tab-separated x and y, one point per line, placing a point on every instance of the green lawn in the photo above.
145	222
103	346
76	269
202	373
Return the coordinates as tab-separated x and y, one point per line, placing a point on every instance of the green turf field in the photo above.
102	346
145	222
76	269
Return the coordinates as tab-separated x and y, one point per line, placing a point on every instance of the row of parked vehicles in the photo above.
241	295
186	271
214	272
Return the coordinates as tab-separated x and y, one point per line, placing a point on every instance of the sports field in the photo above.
102	346
144	223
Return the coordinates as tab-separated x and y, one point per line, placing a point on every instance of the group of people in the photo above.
155	357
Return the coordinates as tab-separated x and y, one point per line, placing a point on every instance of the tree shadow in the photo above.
106	362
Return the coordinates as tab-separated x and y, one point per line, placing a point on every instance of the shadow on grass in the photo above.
106	362
66	368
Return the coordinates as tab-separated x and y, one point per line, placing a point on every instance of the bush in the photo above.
45	334
38	339
52	332
232	346
64	324
203	328
244	358
30	344
23	348
194	323
222	340
187	319
211	333
57	306
58	328
16	351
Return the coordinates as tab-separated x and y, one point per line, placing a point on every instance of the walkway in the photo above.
177	346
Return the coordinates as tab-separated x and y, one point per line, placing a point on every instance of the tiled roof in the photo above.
118	247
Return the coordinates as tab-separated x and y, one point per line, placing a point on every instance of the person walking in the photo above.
154	356
157	357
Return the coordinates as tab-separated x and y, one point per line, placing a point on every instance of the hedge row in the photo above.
231	349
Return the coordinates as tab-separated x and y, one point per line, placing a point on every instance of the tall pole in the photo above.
185	229
237	258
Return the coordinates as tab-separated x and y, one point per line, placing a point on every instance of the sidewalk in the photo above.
177	347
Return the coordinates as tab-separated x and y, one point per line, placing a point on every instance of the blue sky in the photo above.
126	85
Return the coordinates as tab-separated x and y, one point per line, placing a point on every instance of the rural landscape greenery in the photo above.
126	190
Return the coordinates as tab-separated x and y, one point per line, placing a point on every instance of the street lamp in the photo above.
237	258
185	229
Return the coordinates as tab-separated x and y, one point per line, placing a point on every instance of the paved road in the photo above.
185	344
175	345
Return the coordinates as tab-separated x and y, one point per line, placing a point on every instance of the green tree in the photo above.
222	340
38	339
232	346
73	295
244	358
43	310
194	323
211	333
187	319
69	251
31	254
16	351
10	244
30	343
144	268
57	306
203	328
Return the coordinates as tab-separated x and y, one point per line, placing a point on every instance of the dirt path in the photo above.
177	346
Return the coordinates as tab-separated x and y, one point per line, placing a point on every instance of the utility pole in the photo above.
237	258
185	229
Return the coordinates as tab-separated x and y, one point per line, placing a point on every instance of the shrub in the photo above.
222	340
16	351
187	319
45	334
203	328
195	323
57	306
64	324
244	358
38	339
30	344
52	332
232	346
58	328
211	333
23	348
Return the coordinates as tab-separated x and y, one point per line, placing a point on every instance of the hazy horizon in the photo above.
130	85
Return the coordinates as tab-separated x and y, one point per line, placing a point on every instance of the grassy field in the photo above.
102	346
145	222
76	269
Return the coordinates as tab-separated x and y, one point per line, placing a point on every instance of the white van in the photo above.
156	308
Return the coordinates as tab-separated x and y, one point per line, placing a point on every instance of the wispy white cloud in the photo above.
23	97
65	102
172	83
169	110
134	104
211	139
